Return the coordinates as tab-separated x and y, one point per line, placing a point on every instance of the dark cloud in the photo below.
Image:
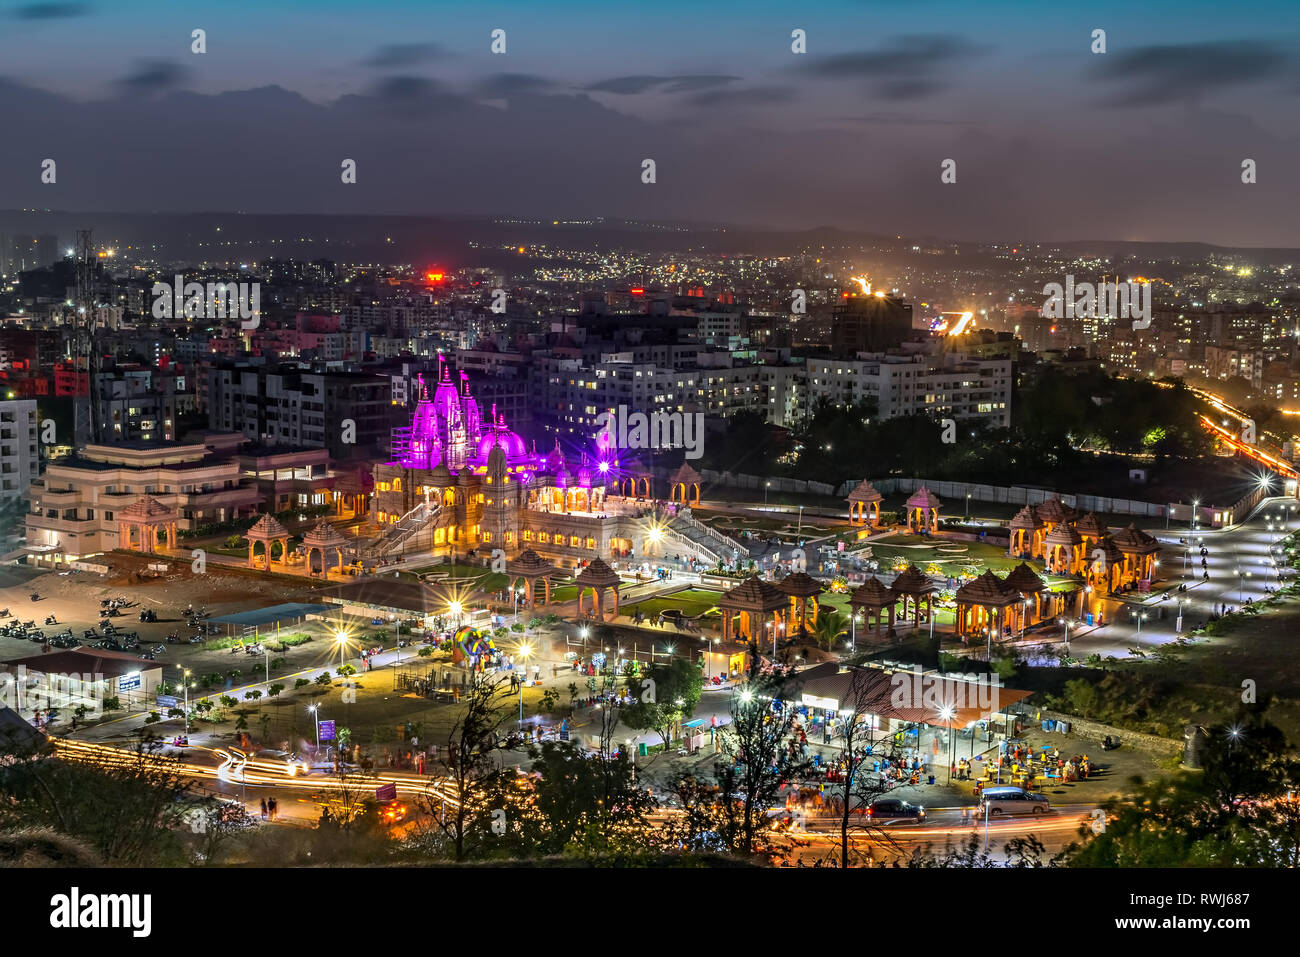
627	85
51	11
512	84
903	68
887	117
753	96
1187	71
152	76
405	88
410	97
402	54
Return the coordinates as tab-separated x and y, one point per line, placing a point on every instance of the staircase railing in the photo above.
401	531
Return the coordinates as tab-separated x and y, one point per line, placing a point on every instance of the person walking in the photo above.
264	810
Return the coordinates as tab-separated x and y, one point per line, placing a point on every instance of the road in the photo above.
1239	567
300	794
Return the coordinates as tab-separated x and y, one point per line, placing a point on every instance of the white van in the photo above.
1004	801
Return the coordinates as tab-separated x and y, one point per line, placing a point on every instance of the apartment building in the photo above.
19	449
948	385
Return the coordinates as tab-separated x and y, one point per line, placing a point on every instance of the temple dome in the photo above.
513	445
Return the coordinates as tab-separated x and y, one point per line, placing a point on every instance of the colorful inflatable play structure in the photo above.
470	643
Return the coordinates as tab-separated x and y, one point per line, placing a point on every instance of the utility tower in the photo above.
84	353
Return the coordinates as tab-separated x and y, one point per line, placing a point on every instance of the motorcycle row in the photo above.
108	637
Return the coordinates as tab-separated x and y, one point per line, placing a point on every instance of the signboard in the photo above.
168	701
327	730
386	792
129	682
1144	584
839	546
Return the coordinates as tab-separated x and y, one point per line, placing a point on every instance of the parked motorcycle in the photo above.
50	620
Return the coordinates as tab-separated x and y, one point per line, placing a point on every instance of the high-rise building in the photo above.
873	322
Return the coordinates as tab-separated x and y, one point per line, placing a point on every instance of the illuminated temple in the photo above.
458	478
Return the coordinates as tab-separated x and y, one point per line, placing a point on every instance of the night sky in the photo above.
1052	142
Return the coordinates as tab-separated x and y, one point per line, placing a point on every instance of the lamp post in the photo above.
455	608
799	530
185	683
946	713
853	633
1139	616
342	640
1065	624
524	652
766	486
968	506
315	711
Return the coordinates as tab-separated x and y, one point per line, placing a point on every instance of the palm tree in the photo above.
831	625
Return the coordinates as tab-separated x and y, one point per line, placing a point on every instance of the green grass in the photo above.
980	554
692	603
563	593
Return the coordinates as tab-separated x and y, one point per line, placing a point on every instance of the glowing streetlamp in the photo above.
342	639
524	651
1065	624
1139	617
315	711
946	713
1233	734
185	683
455	609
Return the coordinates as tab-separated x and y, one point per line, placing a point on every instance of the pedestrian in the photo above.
264	810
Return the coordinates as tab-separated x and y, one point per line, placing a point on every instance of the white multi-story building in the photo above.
947	385
19	452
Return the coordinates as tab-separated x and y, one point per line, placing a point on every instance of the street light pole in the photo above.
946	714
185	682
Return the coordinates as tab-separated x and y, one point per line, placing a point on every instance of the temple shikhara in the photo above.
459	478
